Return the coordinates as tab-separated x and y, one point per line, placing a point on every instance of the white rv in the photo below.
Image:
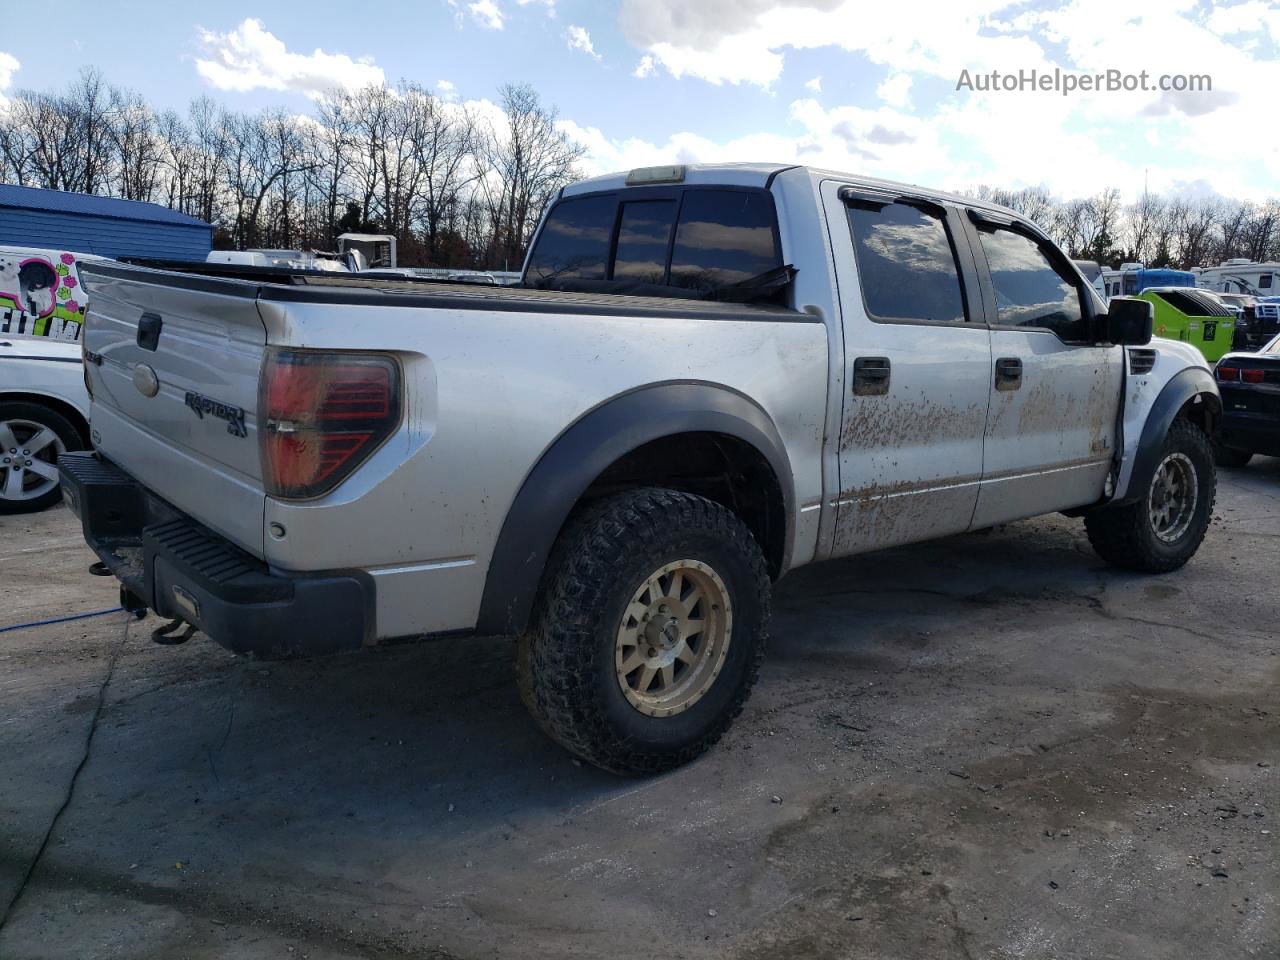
1241	275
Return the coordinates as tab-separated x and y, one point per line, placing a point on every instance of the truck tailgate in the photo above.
174	367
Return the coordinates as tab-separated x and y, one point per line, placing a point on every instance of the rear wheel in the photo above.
1231	456
1162	529
649	633
31	438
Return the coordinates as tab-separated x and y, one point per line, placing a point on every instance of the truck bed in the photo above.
301	286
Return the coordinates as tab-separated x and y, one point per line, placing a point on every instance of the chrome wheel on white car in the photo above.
32	437
30	459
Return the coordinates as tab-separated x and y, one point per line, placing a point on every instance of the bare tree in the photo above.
526	162
139	151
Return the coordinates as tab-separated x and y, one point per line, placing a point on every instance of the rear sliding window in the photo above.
691	239
644	234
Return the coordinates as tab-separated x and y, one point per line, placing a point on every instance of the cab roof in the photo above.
763	174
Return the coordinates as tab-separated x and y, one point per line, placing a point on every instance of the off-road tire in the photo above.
1124	536
60	425
1231	456
565	661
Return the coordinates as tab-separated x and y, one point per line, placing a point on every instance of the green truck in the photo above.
1192	317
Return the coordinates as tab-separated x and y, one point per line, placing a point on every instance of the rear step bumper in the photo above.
180	569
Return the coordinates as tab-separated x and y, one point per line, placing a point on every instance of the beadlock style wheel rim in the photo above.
28	459
673	638
1172	501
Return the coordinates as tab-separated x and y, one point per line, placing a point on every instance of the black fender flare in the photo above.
1182	387
584	451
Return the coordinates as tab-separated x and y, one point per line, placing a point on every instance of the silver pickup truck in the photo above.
711	375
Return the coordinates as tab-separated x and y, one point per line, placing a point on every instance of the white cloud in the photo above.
1074	144
9	65
447	89
896	90
489	14
579	39
743	41
815	84
486	14
250	57
1253	16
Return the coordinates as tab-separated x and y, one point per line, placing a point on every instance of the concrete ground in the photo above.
991	746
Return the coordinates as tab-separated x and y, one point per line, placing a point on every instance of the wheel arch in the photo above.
58	405
619	444
1190	394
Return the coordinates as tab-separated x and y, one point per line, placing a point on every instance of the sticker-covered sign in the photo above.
40	294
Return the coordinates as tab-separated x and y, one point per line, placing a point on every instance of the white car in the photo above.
44	412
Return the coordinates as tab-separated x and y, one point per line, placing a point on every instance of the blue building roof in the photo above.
59	201
107	226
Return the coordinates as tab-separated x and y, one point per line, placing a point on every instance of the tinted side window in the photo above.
1264	281
906	263
644	233
1030	291
574	241
725	236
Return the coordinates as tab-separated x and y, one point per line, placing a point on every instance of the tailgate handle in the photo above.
149	331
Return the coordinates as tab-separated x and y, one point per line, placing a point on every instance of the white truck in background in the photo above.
711	375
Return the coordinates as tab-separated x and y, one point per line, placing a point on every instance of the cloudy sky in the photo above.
847	84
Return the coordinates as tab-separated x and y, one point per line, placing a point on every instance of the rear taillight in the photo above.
323	414
1252	375
1228	373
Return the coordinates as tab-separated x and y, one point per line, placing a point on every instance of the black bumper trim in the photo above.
180	569
1255	432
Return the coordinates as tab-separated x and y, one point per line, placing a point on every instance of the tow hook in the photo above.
168	635
133	603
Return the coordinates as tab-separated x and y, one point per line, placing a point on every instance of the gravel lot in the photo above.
990	746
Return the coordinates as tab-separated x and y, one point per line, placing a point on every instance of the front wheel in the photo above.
649	633
1163	529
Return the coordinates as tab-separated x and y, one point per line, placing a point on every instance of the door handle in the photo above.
1008	373
871	376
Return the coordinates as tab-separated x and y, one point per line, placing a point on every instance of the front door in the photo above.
918	360
1051	429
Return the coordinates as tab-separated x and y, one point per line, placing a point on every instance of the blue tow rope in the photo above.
45	623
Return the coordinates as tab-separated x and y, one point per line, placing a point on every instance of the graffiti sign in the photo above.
40	294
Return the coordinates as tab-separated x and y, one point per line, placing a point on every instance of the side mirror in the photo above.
1128	321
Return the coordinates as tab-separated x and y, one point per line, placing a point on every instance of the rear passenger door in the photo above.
1051	429
918	362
